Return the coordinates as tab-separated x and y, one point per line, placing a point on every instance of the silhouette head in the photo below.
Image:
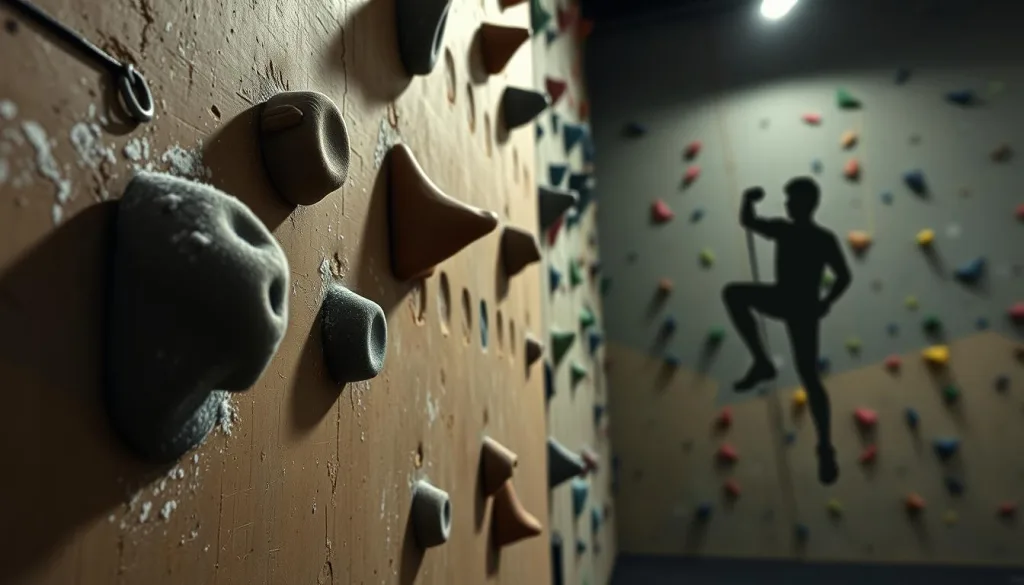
802	196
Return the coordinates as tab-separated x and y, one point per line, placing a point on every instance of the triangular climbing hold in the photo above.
936	355
550	35
851	170
811	118
848	139
572	134
846	100
859	241
587	318
510	520
556	173
691	175
962	97
499	43
539	16
581	181
518	249
534	349
561	341
555	87
426	226
552	204
554	229
915	181
715	336
581	546
554	278
521	106
549	382
577	373
497	463
912	418
660	212
971	272
580	491
595	340
575	273
563	464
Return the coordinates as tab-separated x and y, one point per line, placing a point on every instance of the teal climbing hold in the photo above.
577	373
539	16
886	198
595	340
595	520
587	318
549	382
715	335
554	278
572	134
824	364
972	271
981	324
846	100
575	274
902	75
561	341
581	546
912	418
550	35
816	166
946	448
556	173
563	464
572	219
581	181
540	132
672	360
580	490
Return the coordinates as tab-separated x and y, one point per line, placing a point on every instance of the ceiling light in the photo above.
776	9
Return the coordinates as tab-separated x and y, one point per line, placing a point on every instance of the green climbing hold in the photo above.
827	278
575	274
587	318
853	345
846	100
716	335
932	324
707	257
950	393
577	373
539	16
561	341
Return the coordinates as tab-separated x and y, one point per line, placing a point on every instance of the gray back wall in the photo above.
740	85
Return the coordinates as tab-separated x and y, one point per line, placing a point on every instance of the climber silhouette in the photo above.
803	250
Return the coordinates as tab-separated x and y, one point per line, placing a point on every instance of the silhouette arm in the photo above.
836	261
768	228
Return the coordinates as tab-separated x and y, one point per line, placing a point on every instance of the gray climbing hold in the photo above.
197	306
563	464
521	106
355	335
552	203
431	514
304	144
420	30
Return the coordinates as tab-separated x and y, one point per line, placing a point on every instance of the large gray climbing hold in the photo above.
563	464
431	515
355	335
522	106
197	306
552	203
420	26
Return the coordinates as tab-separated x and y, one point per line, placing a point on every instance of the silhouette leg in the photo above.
803	336
741	300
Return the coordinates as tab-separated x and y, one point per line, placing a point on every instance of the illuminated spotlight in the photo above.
776	9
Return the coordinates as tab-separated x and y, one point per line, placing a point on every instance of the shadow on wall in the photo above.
642	570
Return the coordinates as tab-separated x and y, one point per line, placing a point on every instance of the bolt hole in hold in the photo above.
418	461
499	330
215	111
444	303
248	230
487	134
483	325
275	294
467	315
470	108
449	71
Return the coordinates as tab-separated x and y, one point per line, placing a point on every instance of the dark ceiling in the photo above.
626	10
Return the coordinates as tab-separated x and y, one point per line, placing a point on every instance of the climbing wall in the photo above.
913	145
303	480
572	305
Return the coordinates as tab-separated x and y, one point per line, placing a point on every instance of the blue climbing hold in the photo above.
886	198
902	75
954	486
893	329
595	520
981	324
550	35
556	173
913	419
971	272
1002	383
598	413
946	448
540	132
572	134
673	361
635	129
549	381
668	325
595	340
589	151
697	215
554	278
962	97
915	182
580	489
704	511
824	364
816	166
555	122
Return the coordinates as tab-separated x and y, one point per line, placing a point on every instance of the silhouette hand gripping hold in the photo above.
803	250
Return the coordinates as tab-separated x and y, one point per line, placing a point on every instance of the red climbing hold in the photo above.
1020	212
660	213
893	363
869	454
851	170
866	418
811	118
1008	509
556	88
554	229
732	489
692	150
724	419
691	175
1016	313
728	453
915	503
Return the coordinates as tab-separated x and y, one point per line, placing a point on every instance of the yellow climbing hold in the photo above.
925	237
911	303
848	139
799	398
853	345
835	507
950	518
859	240
936	355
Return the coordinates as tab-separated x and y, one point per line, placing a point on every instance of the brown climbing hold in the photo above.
499	43
511	522
851	170
915	503
497	462
555	88
1002	153
848	139
893	363
1008	509
304	144
519	249
1020	212
534	349
860	241
427	226
664	287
